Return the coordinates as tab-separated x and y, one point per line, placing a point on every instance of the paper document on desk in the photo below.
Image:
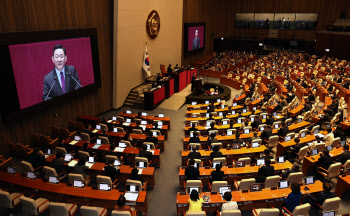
143	127
72	163
126	124
109	121
73	142
152	151
118	149
96	146
88	164
160	127
95	131
140	172
320	135
131	196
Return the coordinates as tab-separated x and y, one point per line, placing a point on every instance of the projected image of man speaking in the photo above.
63	78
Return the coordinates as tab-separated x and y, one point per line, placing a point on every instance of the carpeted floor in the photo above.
162	199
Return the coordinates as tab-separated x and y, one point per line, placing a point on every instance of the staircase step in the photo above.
128	104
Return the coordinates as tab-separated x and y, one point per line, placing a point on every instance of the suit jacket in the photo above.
195	44
270	121
266	134
153	140
266	171
192	173
325	161
217	176
52	83
145	154
283	131
343	157
111	172
256	123
194	155
57	164
216	155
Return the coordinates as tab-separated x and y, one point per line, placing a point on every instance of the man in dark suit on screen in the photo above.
63	78
195	44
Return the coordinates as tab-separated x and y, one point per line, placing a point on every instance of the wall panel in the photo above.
219	16
23	15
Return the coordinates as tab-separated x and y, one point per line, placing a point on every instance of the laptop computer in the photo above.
223	190
77	138
229	133
254	108
115	130
274	114
104	187
260	161
98	127
233	112
309	180
31	175
302	134
122	145
276	126
215	163
236	145
252	119
68	157
246	131
154	133
49	151
264	116
160	115
190	189
281	159
116	163
255	144
299	120
283	184
234	104
207	115
128	112
114	118
287	138
218	100
144	114
91	159
194	102
239	121
314	152
224	122
144	122
255	187
132	193
261	129
128	120
141	165
206	102
78	183
330	213
98	141
11	170
54	179
329	147
240	164
244	110
220	114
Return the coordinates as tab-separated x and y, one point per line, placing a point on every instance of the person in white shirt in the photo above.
329	137
229	205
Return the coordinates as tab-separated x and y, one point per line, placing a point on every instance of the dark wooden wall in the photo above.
219	16
24	15
337	42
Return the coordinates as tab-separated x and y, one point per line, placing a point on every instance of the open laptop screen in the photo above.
314	152
78	183
283	184
255	187
309	180
68	157
143	114
190	189
11	170
222	190
330	213
255	144
160	115
281	159
91	159
260	162
53	179
104	187
287	138
240	164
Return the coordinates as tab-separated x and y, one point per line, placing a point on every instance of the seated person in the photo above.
293	198
296	148
195	203
212	138
151	138
210	117
284	130
238	139
194	154
325	160
212	126
104	131
345	155
229	205
121	205
267	154
216	153
329	137
193	128
265	171
211	108
135	175
57	164
191	172
144	153
37	158
320	198
255	124
80	167
195	138
217	174
295	168
111	171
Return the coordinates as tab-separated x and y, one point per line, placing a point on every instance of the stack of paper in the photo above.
72	163
73	142
109	121
95	131
118	149
96	146
88	164
131	196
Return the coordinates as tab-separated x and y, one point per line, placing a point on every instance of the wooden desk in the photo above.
68	194
118	136
233	173
296	111
343	184
282	146
154	98
89	120
266	198
204	139
309	162
230	82
131	151
231	155
165	120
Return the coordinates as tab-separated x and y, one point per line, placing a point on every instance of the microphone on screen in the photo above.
69	74
55	78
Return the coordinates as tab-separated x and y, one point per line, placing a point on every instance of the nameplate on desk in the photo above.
72	163
118	149
73	142
95	131
96	146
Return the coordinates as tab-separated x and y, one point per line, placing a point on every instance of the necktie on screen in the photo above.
63	83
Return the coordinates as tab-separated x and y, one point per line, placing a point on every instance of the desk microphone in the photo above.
74	79
55	78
